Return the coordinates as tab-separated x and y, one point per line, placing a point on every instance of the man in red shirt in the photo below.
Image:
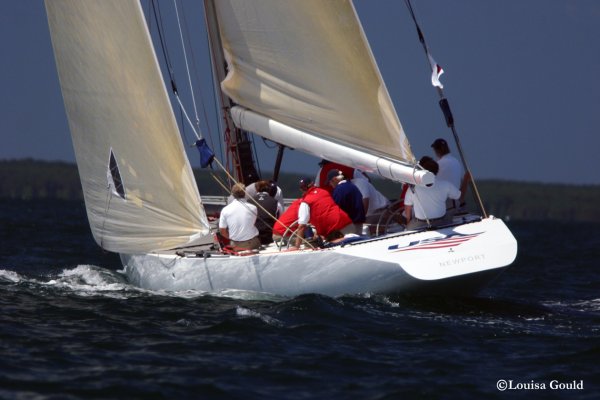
285	225
316	206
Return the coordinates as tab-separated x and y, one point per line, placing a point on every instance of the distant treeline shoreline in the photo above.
29	179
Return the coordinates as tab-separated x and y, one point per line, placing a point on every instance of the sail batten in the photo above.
308	65
138	186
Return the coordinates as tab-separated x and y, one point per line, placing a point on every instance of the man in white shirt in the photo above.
450	169
237	221
429	202
374	202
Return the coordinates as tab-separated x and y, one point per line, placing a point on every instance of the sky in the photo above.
522	79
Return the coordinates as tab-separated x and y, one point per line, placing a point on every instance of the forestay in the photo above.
307	64
138	185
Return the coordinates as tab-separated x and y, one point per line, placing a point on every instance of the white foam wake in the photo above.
592	305
10	276
243	312
90	280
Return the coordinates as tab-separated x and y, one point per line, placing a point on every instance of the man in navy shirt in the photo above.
347	196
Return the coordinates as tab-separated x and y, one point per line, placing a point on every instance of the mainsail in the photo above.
307	65
139	188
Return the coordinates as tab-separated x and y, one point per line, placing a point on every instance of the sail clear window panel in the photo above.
115	181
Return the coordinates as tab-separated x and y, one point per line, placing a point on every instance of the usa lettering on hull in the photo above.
439	242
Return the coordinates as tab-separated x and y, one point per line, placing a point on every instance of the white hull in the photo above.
459	259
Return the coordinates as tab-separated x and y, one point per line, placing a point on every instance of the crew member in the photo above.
237	221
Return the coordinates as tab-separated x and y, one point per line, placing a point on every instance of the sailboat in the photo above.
297	72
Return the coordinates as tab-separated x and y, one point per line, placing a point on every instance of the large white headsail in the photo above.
307	64
139	188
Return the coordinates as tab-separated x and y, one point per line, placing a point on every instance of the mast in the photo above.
237	140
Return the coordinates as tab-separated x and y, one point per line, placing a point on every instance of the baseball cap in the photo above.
332	174
305	182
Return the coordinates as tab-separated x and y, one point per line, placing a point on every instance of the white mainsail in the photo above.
139	188
307	64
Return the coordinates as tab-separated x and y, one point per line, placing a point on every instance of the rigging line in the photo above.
414	18
165	51
195	70
198	136
252	199
182	122
217	107
265	141
218	97
445	106
160	29
187	67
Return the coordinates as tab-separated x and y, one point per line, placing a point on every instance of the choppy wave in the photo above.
91	280
9	276
247	313
90	310
83	280
591	305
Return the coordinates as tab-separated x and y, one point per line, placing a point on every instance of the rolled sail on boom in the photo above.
328	149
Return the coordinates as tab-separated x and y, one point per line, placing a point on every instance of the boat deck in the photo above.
211	248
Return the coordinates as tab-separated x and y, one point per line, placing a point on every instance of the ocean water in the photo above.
71	327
